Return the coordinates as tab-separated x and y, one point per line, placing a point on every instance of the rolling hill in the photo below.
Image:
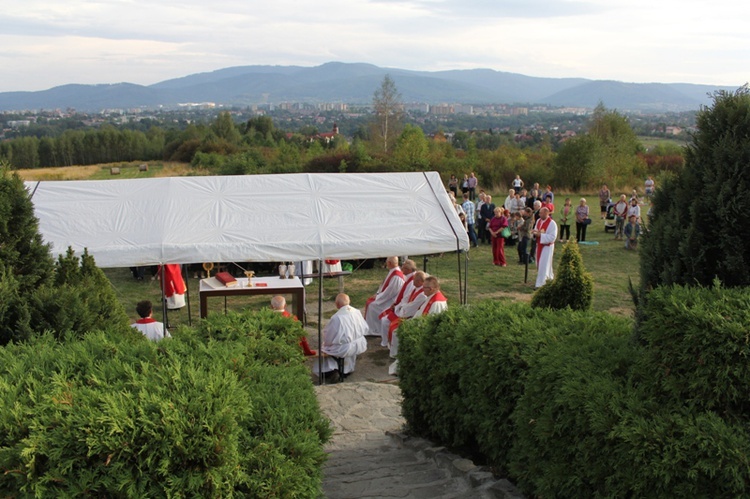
354	83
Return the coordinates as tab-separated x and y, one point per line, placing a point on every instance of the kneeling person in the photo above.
343	337
150	327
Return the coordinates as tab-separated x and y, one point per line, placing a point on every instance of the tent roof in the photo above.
248	218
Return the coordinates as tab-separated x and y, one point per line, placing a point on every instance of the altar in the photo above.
261	286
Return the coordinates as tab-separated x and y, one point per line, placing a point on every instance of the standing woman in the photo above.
497	224
453	185
582	215
567	213
604	199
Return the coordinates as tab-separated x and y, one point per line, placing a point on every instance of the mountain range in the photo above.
355	83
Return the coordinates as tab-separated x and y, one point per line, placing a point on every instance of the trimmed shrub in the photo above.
697	347
669	450
119	416
462	372
573	399
572	286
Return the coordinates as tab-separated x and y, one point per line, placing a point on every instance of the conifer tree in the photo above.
699	217
37	295
22	251
25	261
572	286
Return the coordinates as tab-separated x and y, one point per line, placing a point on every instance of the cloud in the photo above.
499	9
103	41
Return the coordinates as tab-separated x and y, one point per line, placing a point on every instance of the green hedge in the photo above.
194	416
463	371
698	347
568	404
573	399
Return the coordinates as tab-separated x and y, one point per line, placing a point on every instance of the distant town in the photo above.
528	123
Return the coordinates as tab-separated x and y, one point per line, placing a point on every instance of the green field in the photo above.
650	142
609	263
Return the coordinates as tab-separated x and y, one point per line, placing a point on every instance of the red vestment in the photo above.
438	296
541	225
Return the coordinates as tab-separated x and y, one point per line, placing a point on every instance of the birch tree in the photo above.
388	109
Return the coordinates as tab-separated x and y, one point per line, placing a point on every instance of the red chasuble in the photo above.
541	226
382	287
172	279
438	296
390	310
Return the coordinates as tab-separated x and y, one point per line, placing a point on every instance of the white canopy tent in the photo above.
261	218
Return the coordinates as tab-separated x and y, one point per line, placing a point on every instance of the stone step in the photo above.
369	456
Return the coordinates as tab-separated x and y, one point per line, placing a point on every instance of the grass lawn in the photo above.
650	142
102	172
609	263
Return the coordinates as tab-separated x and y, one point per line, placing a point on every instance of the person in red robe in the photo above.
173	285
384	298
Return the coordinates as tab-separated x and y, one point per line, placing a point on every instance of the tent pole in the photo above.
321	377
466	278
460	279
187	293
163	300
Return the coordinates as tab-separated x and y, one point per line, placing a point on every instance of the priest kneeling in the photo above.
343	337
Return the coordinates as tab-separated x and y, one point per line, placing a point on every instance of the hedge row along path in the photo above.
370	457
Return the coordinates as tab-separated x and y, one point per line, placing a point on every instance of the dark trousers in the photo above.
564	232
482	233
532	250
523	244
580	231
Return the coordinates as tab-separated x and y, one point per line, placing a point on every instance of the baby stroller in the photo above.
609	218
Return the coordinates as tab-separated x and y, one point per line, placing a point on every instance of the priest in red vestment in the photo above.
384	298
173	285
434	303
545	232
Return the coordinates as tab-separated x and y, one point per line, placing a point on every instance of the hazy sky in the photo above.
44	43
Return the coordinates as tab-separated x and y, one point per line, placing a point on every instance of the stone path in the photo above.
370	457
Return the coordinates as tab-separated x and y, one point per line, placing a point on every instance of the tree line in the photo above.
608	152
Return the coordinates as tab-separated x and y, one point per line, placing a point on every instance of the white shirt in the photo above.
151	329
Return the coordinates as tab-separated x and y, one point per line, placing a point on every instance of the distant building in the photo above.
327	137
442	109
15	124
673	130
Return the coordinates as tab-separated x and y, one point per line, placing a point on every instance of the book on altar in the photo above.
226	279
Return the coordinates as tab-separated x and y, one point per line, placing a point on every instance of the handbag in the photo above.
505	232
587	221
